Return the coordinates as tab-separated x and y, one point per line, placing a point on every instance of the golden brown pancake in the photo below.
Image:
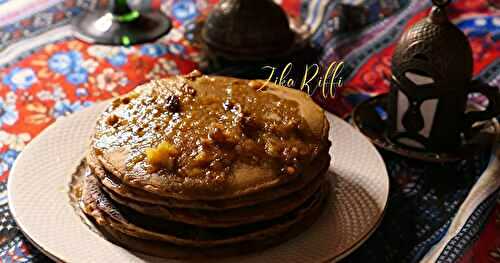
172	251
194	165
113	184
210	138
105	212
224	218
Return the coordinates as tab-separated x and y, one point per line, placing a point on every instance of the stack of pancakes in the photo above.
194	166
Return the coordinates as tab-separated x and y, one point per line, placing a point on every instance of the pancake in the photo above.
210	138
169	250
172	251
224	218
105	212
190	166
113	185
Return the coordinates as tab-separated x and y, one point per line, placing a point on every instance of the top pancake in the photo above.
207	138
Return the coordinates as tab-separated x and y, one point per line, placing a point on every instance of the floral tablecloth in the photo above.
45	73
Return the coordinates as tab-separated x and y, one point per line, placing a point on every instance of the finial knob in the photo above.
438	15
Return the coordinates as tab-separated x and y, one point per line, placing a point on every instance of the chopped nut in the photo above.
116	102
191	91
193	172
173	103
123	122
158	111
112	119
163	156
141	132
201	159
98	151
126	100
217	134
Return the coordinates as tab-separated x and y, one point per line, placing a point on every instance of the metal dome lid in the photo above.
248	28
436	47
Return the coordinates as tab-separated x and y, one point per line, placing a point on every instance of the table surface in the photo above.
45	73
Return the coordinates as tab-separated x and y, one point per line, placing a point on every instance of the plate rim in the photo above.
52	126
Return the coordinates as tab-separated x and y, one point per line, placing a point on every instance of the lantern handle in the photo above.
493	108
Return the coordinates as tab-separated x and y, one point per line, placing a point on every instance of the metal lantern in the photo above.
248	30
431	77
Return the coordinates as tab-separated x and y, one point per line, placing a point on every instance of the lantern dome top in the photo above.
435	45
257	28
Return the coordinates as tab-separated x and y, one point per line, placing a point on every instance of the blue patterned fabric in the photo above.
423	199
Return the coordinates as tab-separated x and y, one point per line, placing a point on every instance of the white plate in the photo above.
39	201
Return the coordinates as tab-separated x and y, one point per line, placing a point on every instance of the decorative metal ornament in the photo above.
248	30
431	78
121	25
